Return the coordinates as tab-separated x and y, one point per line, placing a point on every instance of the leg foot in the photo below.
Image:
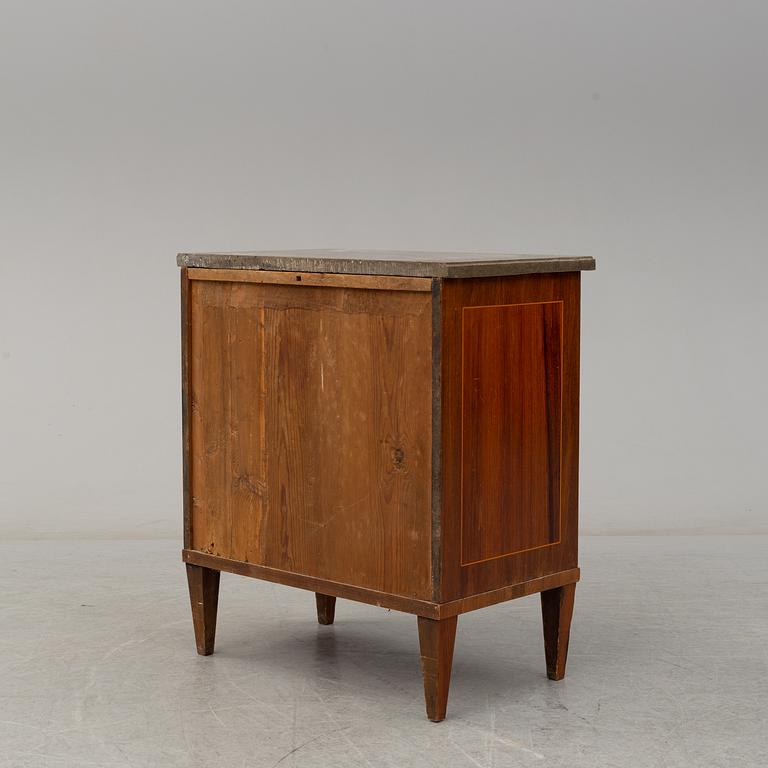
436	638
204	598
326	608
556	612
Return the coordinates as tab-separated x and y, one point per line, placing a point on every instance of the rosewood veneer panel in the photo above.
510	428
510	368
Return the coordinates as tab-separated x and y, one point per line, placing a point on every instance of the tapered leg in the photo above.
556	612
436	638
326	608
204	598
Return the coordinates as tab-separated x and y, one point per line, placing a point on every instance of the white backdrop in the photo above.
634	132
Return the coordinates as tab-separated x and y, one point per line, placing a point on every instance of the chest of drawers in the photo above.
395	428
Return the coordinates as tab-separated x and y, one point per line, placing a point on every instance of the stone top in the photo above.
401	263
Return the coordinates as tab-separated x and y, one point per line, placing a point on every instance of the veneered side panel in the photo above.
510	374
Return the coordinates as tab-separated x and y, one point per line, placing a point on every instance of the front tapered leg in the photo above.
556	612
436	638
204	598
326	608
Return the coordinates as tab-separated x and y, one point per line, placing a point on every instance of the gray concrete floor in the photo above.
667	667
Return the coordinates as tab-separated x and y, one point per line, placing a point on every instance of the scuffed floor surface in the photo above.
668	667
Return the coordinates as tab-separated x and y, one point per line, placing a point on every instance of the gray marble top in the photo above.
404	263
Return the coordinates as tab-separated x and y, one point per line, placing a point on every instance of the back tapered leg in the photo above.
326	608
204	599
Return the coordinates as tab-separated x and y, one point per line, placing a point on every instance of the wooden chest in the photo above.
395	428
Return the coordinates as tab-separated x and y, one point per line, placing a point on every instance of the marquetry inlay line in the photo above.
560	434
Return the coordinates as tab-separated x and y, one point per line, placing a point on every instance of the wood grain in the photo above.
310	431
511	592
556	613
302	279
186	446
436	641
437	431
510	419
324	586
509	472
412	605
204	599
